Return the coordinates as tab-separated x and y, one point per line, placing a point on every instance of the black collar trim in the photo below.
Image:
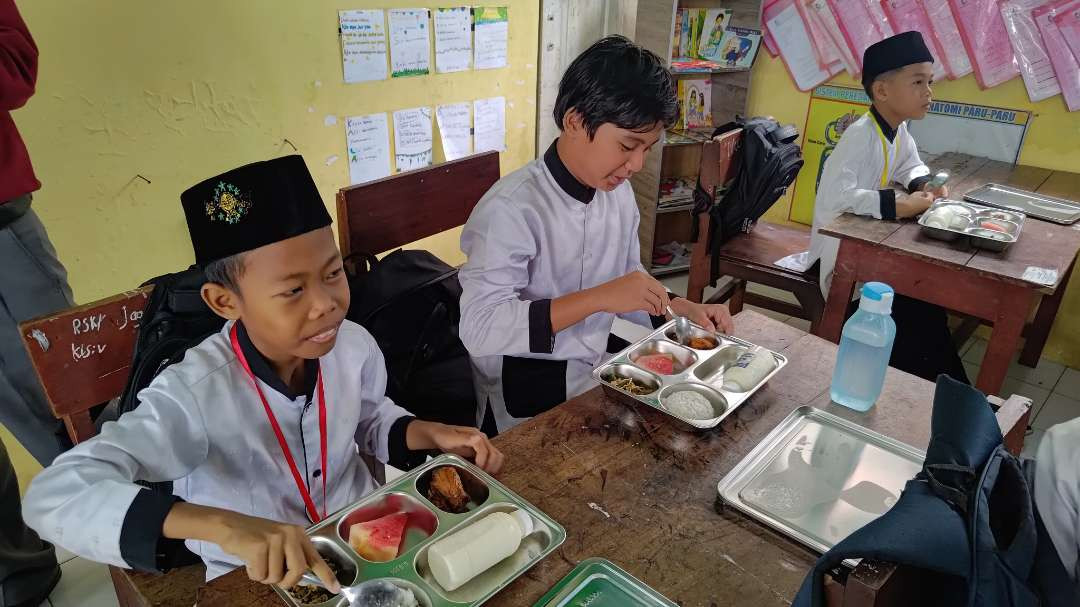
889	132
262	369
569	184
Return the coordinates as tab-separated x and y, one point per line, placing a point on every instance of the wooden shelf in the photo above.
675	208
692	73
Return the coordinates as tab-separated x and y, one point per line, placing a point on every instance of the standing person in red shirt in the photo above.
32	282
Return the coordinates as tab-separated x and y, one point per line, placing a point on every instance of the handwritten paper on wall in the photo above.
412	138
453	39
363	45
490	128
410	45
368	141
796	48
492	28
455	124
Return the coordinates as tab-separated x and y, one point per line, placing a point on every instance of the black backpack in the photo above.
769	161
409	302
175	319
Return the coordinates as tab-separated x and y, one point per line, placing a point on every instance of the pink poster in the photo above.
1069	24
1066	66
908	16
1028	47
828	56
784	23
947	37
983	32
823	15
860	25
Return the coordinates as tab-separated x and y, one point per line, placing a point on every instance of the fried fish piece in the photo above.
446	490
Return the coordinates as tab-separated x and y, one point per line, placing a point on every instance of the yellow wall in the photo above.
1051	142
179	91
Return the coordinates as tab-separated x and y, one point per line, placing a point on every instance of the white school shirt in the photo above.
1057	491
201	424
539	234
857	178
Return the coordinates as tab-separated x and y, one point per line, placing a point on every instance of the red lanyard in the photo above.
313	513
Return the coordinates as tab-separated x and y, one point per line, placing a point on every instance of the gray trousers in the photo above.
33	282
28	568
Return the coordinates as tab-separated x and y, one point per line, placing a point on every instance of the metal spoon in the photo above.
369	593
682	327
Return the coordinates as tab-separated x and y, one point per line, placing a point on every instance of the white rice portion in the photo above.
690	405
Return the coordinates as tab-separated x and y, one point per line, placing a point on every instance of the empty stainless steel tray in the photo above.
1049	208
817	477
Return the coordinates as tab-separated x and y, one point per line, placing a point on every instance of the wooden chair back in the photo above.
388	213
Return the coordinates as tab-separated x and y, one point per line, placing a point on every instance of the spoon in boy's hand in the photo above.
370	592
682	327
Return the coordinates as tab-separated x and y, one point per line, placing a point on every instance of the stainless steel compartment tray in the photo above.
818	477
698	370
965	220
1049	208
427	524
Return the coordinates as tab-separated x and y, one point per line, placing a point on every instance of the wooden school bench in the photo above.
83	355
749	258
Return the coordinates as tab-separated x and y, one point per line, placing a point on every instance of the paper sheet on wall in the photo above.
412	138
453	39
947	36
492	30
455	129
1027	43
859	26
983	31
1069	24
410	44
822	14
796	49
1066	66
908	15
828	55
363	45
489	116
367	139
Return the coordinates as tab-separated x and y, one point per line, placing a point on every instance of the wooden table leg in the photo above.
1040	327
1008	326
842	288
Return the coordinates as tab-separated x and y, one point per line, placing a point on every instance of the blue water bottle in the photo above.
865	347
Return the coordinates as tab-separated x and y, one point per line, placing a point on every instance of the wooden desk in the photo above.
990	286
657	484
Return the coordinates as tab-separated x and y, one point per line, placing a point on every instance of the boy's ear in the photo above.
573	123
222	300
880	88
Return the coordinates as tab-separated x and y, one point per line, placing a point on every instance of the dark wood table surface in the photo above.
987	285
657	482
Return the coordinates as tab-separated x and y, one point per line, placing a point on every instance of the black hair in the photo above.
619	82
869	86
226	272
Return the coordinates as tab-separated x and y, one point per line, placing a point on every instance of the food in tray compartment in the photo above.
313	595
472	550
749	370
992	225
662	363
447	492
948	217
702	343
378	540
631	386
690	405
383	593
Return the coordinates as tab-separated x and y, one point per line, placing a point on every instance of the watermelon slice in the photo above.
378	540
661	363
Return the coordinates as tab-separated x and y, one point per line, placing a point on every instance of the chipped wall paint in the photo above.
183	90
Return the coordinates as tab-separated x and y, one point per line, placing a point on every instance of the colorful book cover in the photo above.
676	36
695	103
739	47
684	36
712	33
697	20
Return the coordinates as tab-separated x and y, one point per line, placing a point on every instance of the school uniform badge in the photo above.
227	204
